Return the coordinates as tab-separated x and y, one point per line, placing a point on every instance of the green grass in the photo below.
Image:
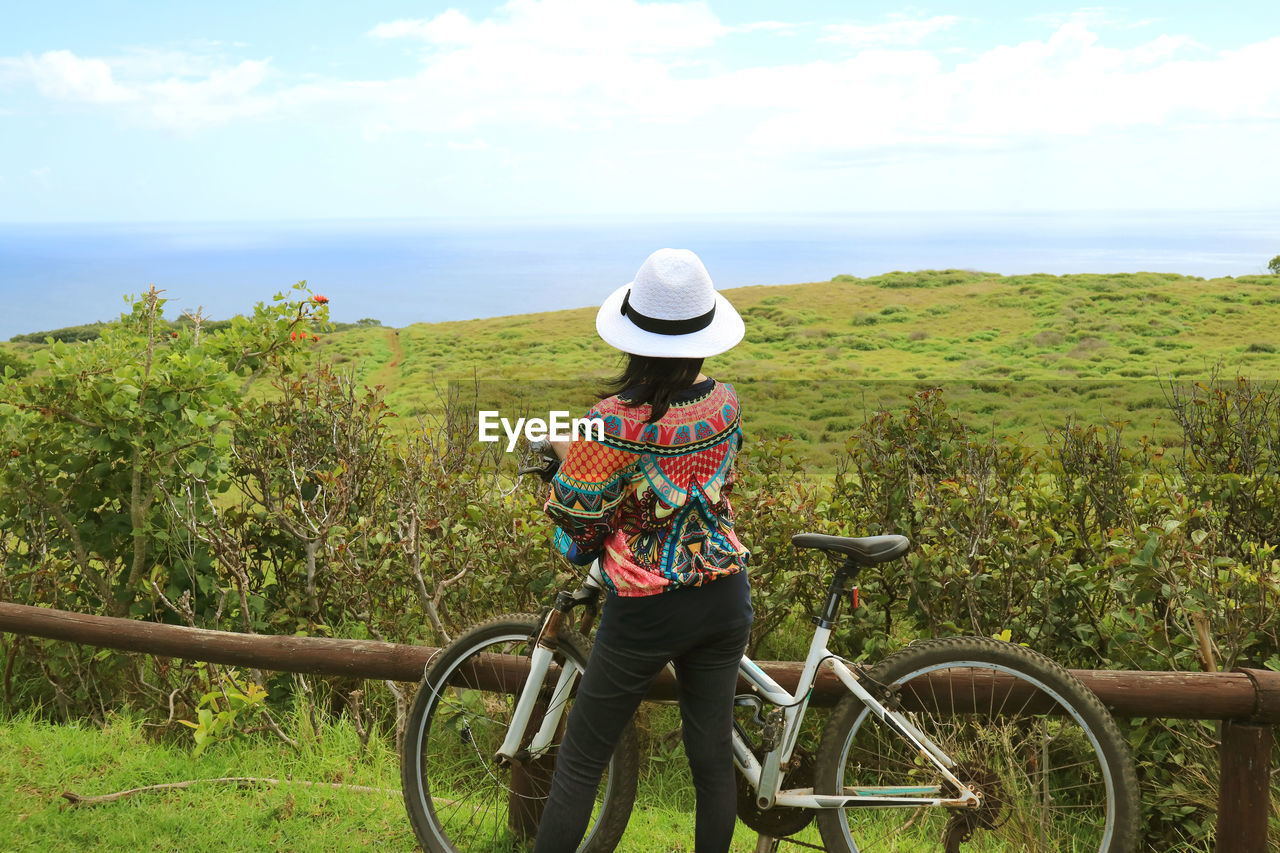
39	760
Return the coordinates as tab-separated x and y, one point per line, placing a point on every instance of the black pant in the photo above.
703	631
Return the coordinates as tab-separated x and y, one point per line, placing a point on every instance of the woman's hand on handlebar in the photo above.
545	461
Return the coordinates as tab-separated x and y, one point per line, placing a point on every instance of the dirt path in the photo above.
384	375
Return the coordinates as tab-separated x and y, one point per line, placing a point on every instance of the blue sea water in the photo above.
403	272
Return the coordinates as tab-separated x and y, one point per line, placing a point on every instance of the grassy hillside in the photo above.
1017	354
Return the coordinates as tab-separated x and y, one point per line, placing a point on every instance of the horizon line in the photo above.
592	218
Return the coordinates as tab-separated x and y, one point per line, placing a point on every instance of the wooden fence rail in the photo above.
1248	700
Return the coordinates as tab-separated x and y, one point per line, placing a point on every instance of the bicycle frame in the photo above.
765	776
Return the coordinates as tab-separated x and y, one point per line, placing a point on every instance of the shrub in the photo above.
88	332
1048	339
93	442
12	366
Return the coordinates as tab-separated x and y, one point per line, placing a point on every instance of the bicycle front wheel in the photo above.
1052	768
458	798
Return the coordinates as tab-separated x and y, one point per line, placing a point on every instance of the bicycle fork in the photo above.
539	665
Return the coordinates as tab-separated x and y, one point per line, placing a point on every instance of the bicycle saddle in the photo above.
865	550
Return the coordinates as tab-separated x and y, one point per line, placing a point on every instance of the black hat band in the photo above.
665	327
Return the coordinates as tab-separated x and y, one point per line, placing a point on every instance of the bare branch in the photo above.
78	800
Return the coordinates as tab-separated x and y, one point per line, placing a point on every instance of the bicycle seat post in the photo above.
846	574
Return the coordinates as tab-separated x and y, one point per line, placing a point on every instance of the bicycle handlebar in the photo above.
543	452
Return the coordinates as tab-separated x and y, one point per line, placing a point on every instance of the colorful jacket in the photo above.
653	498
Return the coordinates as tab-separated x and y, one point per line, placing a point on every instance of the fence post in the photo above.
1244	787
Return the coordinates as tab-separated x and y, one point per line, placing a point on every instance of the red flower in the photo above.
320	300
293	336
315	339
173	334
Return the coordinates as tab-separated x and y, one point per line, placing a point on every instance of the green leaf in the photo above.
1145	557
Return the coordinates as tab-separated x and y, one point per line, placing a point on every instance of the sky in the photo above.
114	111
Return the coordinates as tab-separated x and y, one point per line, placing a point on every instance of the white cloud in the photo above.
172	89
896	32
62	76
1096	17
474	145
561	64
642	74
149	63
224	94
488	151
449	27
1067	86
786	28
570	26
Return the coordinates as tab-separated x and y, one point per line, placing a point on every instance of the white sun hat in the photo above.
670	310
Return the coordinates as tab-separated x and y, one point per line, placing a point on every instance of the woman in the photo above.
650	500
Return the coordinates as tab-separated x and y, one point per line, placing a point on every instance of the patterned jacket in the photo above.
653	498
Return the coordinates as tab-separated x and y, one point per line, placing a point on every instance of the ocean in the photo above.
402	272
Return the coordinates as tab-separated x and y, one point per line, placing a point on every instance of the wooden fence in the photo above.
1247	700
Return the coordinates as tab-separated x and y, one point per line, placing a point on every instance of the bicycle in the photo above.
947	742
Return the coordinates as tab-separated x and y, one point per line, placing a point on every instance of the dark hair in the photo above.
653	380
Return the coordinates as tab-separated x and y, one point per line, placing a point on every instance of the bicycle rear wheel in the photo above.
458	798
1053	770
